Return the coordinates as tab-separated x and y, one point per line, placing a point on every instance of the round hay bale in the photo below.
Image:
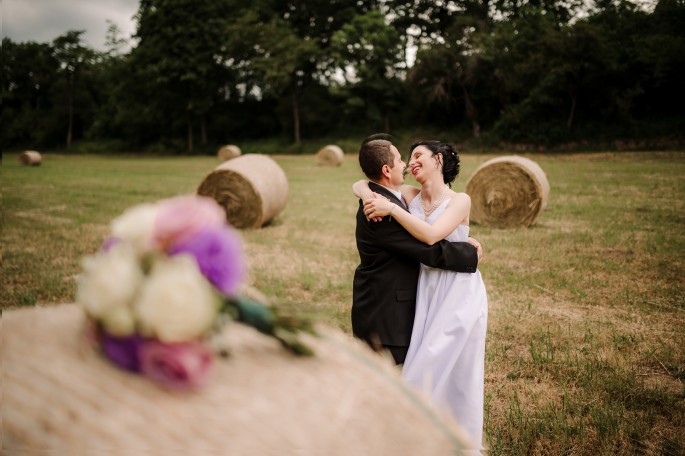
330	155
30	158
252	189
228	152
507	191
60	396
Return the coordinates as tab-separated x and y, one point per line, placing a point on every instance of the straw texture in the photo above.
252	189
330	155
507	191
61	396
30	158
228	152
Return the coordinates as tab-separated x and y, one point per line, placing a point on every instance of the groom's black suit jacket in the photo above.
385	282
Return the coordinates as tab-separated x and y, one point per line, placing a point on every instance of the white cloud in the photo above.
45	20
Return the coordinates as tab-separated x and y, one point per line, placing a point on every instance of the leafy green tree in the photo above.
29	71
275	59
370	55
75	61
283	47
177	66
645	64
114	42
444	79
662	50
521	49
47	89
112	77
560	12
449	70
526	70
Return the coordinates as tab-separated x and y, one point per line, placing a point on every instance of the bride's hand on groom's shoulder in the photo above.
367	196
371	196
377	207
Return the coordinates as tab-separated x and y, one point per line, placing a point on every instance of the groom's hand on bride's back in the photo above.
478	246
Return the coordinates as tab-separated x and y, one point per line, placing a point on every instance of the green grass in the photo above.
586	340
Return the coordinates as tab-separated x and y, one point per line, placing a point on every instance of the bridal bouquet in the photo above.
164	281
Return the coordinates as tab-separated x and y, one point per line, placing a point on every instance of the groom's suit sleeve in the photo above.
453	256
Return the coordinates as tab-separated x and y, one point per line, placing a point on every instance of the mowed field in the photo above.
586	333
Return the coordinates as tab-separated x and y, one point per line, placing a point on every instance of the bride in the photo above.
447	349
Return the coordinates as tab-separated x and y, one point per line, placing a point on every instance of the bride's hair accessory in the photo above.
164	281
450	158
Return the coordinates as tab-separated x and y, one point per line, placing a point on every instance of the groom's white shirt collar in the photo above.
397	193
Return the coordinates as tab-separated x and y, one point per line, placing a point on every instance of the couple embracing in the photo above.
417	292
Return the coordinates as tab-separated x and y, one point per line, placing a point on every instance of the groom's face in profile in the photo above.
397	170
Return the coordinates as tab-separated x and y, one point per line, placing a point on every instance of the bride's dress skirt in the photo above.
447	351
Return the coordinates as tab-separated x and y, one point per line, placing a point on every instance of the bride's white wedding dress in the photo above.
447	350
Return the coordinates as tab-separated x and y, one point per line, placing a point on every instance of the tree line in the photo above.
203	72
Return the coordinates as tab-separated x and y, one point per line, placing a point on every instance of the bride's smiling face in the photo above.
423	162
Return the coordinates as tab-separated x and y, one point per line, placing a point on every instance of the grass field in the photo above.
586	334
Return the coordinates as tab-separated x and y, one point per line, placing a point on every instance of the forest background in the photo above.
279	75
585	342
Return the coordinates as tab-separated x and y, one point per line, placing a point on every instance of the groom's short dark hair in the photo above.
374	153
377	136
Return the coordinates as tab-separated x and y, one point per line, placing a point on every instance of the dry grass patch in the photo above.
585	351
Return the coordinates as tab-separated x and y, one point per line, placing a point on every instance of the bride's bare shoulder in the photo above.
462	195
460	198
409	192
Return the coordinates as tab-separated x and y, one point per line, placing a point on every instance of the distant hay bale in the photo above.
330	155
30	158
228	152
507	191
60	396
252	189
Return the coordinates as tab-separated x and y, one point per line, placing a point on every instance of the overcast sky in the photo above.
45	20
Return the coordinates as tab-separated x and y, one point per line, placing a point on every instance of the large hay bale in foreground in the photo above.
252	189
30	158
61	397
507	191
228	152
330	155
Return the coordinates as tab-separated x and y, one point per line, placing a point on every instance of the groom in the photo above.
385	282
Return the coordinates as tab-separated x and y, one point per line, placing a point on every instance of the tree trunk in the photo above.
471	112
190	133
70	127
296	118
572	112
203	130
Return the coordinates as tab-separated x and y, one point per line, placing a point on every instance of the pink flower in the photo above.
179	218
179	365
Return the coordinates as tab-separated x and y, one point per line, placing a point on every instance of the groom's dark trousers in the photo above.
385	282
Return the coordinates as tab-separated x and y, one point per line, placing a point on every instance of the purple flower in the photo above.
110	242
122	351
218	253
176	365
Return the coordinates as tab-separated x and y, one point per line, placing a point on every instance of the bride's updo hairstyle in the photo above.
450	158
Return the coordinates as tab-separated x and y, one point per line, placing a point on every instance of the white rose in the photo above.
108	284
136	226
176	303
